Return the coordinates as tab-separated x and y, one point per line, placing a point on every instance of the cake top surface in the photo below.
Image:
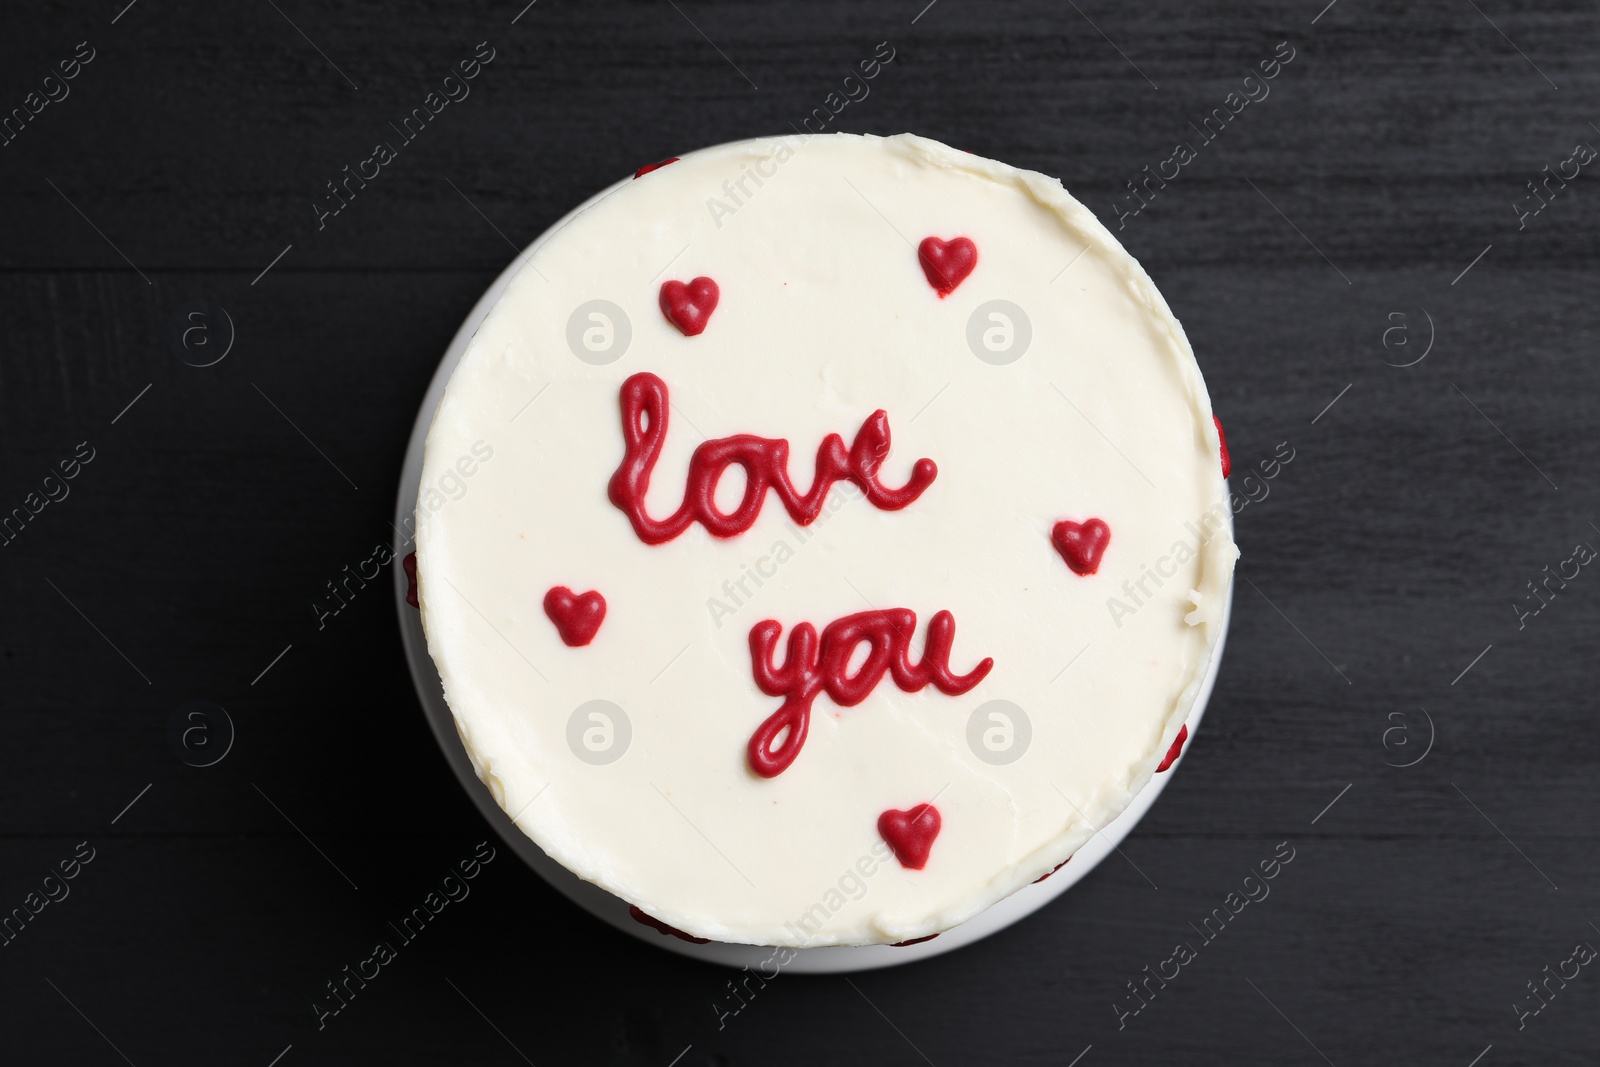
822	537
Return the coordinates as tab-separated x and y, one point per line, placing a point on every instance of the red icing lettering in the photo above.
910	834
1227	464
1081	544
766	466
1176	749
577	615
946	264
812	667
688	306
648	167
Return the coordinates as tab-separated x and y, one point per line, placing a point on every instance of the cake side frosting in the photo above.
832	319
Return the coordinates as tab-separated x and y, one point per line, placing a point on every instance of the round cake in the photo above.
822	538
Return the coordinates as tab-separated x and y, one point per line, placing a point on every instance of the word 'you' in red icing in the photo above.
910	834
688	305
1081	544
1176	750
648	167
639	915
577	615
1222	441
812	667
765	461
946	264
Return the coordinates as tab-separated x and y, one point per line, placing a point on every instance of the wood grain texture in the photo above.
1381	560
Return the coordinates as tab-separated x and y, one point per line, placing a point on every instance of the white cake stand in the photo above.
614	910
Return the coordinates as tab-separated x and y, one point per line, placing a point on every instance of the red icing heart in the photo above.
1081	544
577	615
947	263
910	834
1227	464
648	167
410	566
689	306
1176	749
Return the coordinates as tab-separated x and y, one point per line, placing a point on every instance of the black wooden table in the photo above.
1374	289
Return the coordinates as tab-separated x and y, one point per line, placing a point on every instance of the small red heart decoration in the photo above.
910	834
947	263
409	564
577	615
1227	464
1176	750
688	306
1081	544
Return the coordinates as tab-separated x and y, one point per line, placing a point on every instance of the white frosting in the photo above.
825	316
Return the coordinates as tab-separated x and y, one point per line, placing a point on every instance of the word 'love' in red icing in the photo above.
910	834
689	306
1081	544
577	615
1222	440
812	667
766	466
947	263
